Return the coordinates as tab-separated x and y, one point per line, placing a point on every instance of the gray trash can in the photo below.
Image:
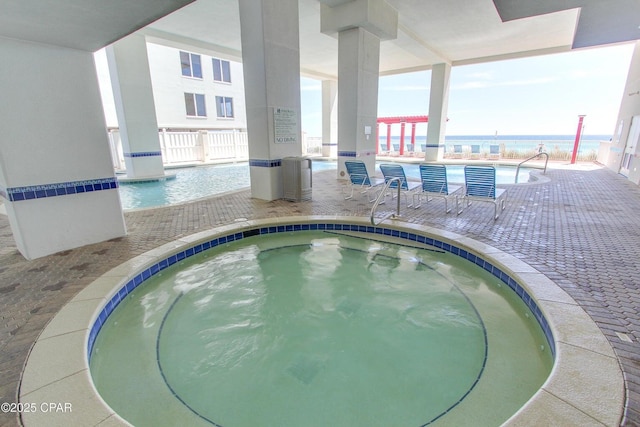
297	178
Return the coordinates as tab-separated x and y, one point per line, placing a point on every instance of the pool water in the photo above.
205	181
317	329
189	184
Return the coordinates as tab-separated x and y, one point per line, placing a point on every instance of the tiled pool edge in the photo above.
573	393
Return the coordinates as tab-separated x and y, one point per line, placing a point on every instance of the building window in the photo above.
190	63
221	70
224	106
195	105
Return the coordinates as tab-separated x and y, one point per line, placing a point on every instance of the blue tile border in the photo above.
143	154
138	279
347	154
15	194
265	163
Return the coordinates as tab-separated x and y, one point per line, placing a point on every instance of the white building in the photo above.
191	91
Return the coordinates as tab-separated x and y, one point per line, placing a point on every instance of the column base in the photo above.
266	179
434	153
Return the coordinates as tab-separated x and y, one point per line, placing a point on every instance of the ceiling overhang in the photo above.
600	22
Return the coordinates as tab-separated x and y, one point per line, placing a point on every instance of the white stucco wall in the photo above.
629	107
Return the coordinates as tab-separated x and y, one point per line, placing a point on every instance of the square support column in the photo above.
358	67
135	107
56	174
271	64
360	25
438	106
329	118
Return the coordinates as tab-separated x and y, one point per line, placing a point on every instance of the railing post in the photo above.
202	146
163	145
235	139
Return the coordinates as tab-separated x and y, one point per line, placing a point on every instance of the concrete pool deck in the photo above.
579	229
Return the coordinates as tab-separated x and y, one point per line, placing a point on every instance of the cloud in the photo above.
311	87
482	75
405	88
487	84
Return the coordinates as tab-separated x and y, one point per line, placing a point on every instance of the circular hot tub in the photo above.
395	324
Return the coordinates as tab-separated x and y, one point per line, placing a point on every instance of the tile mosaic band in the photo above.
144	154
273	163
347	154
15	194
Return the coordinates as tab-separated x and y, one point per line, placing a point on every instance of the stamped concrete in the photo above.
579	227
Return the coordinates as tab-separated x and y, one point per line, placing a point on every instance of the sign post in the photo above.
576	143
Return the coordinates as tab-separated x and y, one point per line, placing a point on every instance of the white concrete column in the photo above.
135	108
271	64
56	176
329	118
358	64
360	25
438	106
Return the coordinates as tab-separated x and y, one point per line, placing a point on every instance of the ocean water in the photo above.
520	143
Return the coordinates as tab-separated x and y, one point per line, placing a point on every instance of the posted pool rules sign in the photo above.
285	125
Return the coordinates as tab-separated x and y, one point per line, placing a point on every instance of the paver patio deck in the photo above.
579	226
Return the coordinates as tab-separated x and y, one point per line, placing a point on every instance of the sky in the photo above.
541	95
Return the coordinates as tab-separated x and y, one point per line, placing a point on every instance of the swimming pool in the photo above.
205	181
321	327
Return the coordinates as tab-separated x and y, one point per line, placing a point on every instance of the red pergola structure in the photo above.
403	120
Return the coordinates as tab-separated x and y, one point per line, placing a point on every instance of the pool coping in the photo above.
585	385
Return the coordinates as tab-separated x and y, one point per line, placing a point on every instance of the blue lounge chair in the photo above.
494	151
359	177
435	184
475	151
480	185
457	151
391	171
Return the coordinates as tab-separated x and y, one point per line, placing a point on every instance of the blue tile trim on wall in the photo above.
128	287
16	194
262	163
143	154
347	154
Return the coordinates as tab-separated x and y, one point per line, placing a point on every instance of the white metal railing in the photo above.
180	147
226	145
117	156
381	197
531	158
190	147
311	145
